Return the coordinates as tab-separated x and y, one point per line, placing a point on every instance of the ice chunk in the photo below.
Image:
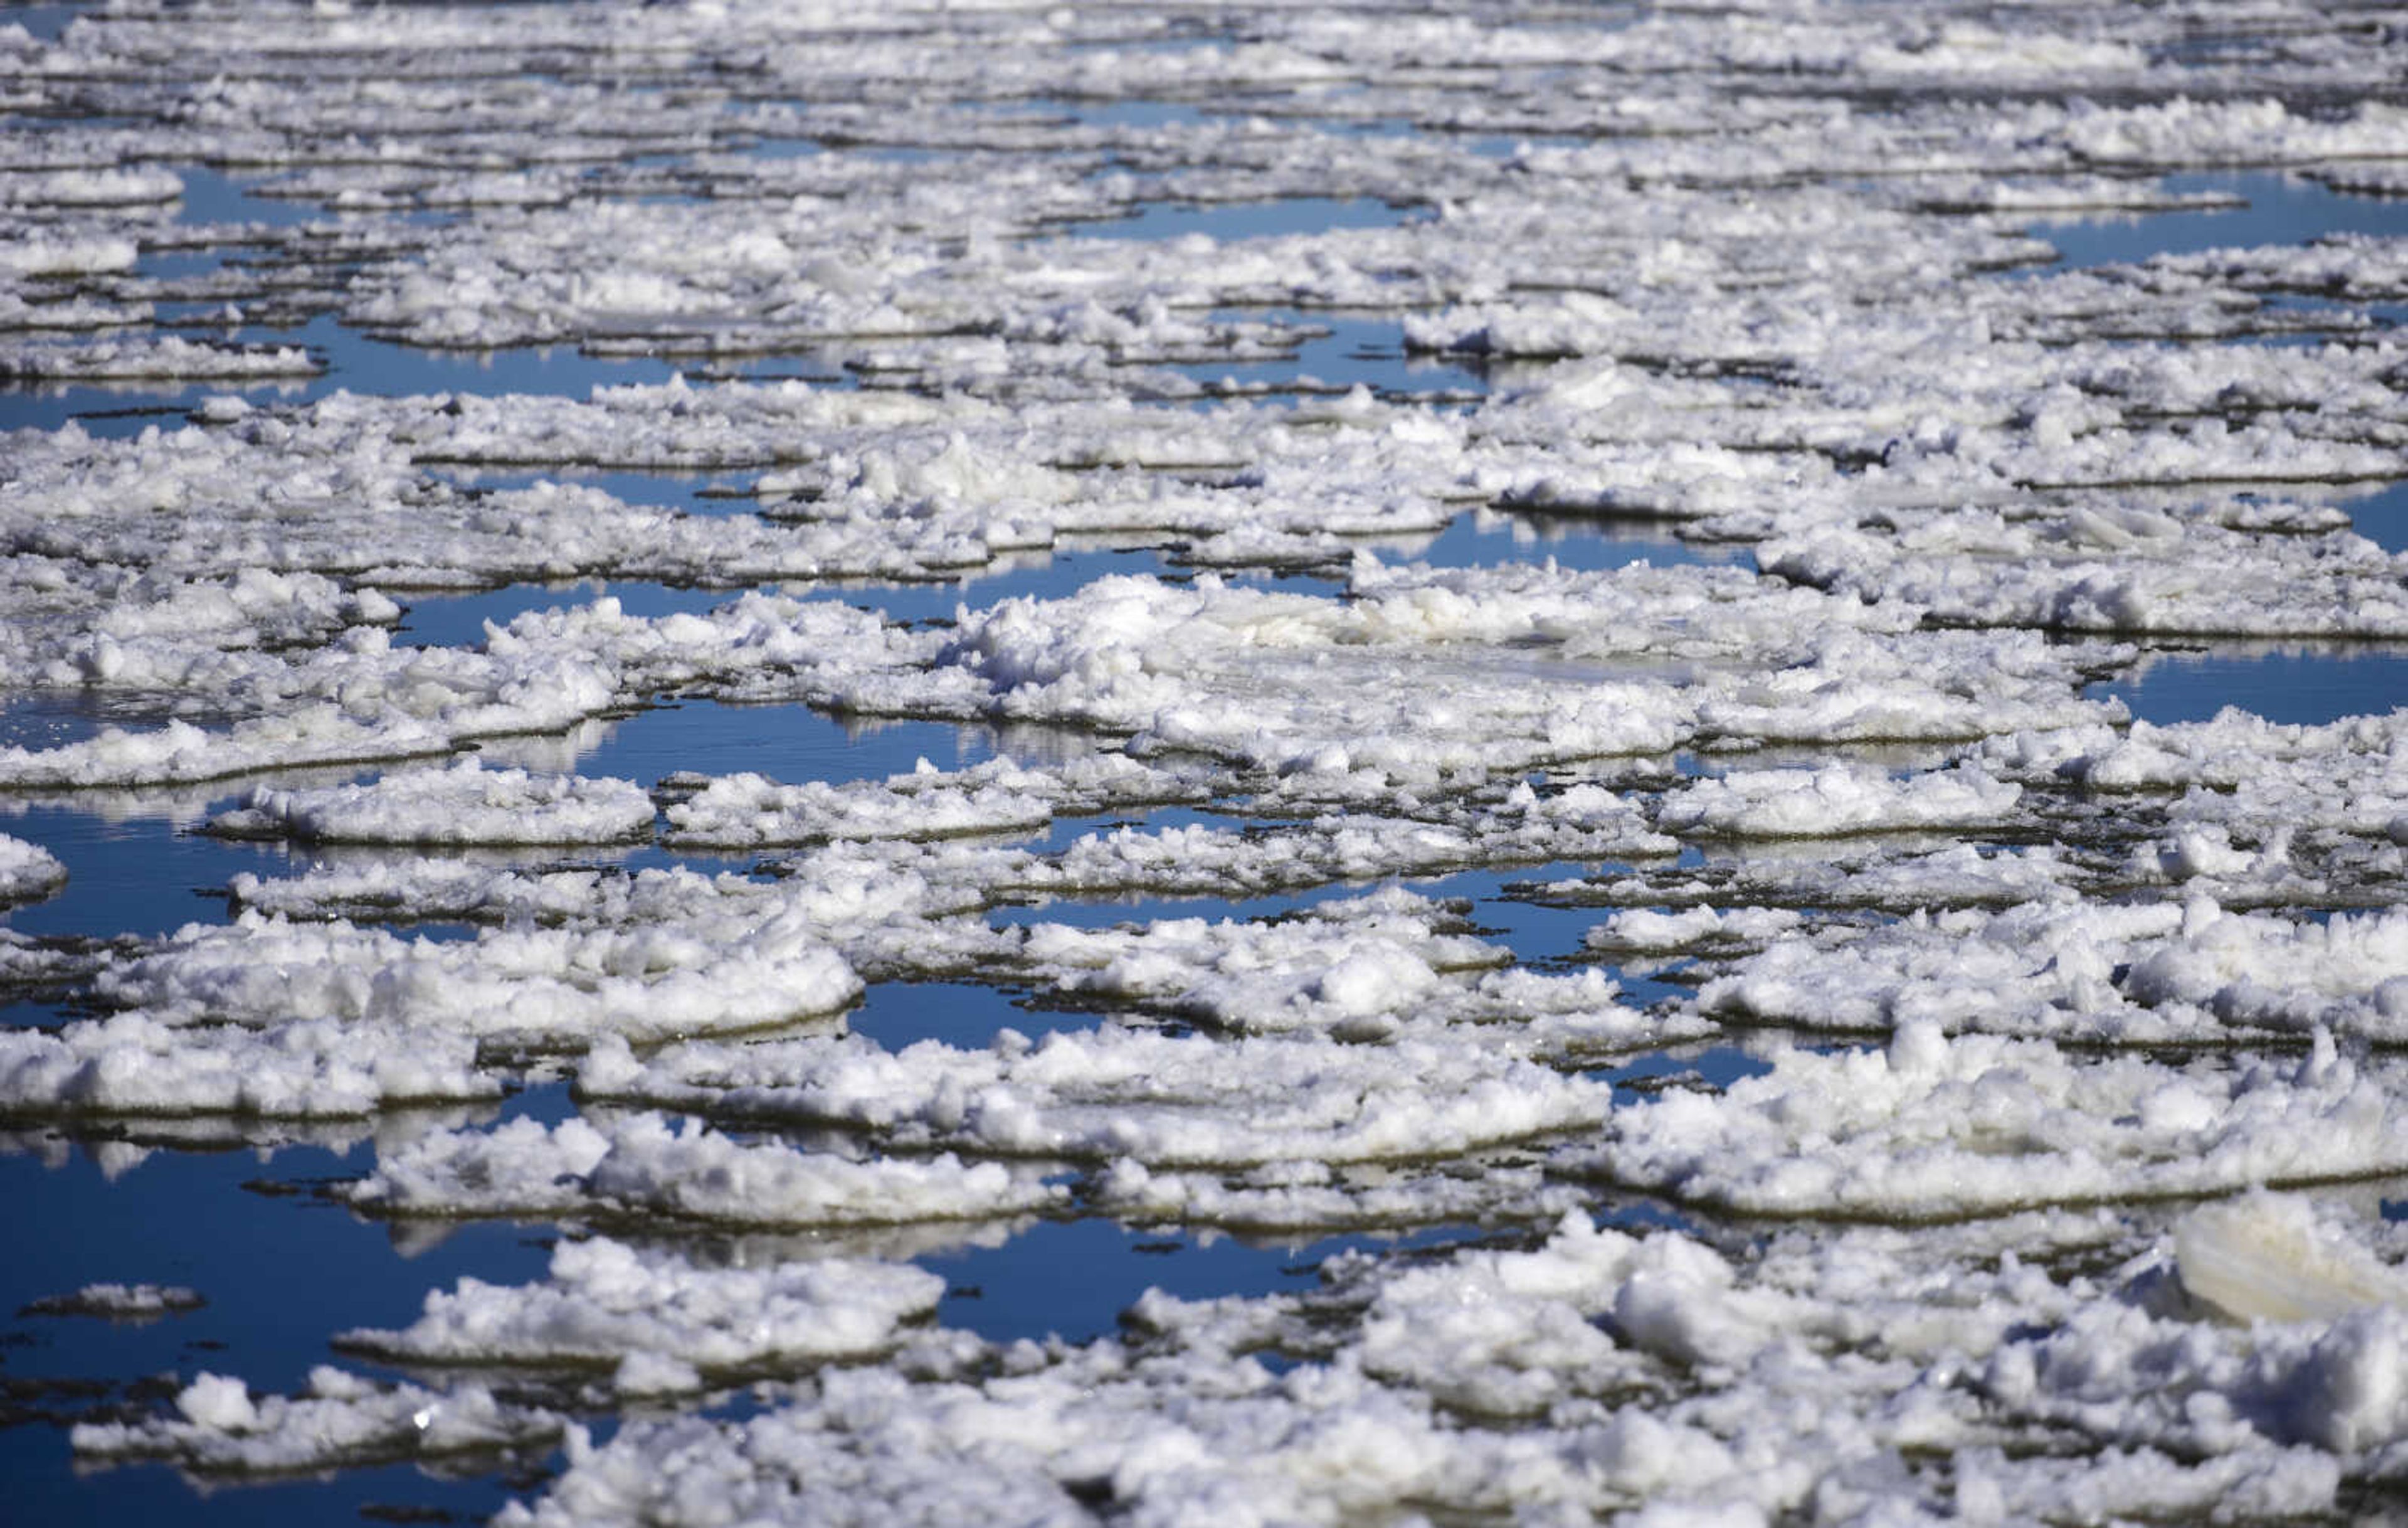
2138	973
644	1166
549	987
121	1302
2267	1256
1835	800
302	1069
466	803
1980	1124
223	1431
609	1303
1161	1100
28	871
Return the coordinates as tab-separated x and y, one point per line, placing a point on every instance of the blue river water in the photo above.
111	1210
2305	684
2274	208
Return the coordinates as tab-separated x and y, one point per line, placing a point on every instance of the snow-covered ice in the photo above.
27	870
606	1303
464	804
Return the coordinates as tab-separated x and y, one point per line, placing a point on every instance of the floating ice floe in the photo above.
219	1429
464	804
133	1064
999	797
1634	1350
2162	577
2311	1336
605	1303
121	1302
1935	1127
1580	823
642	1167
2237	807
1159	1099
548	986
2142	975
28	871
1533	666
327	711
125	360
1836	801
2237	771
